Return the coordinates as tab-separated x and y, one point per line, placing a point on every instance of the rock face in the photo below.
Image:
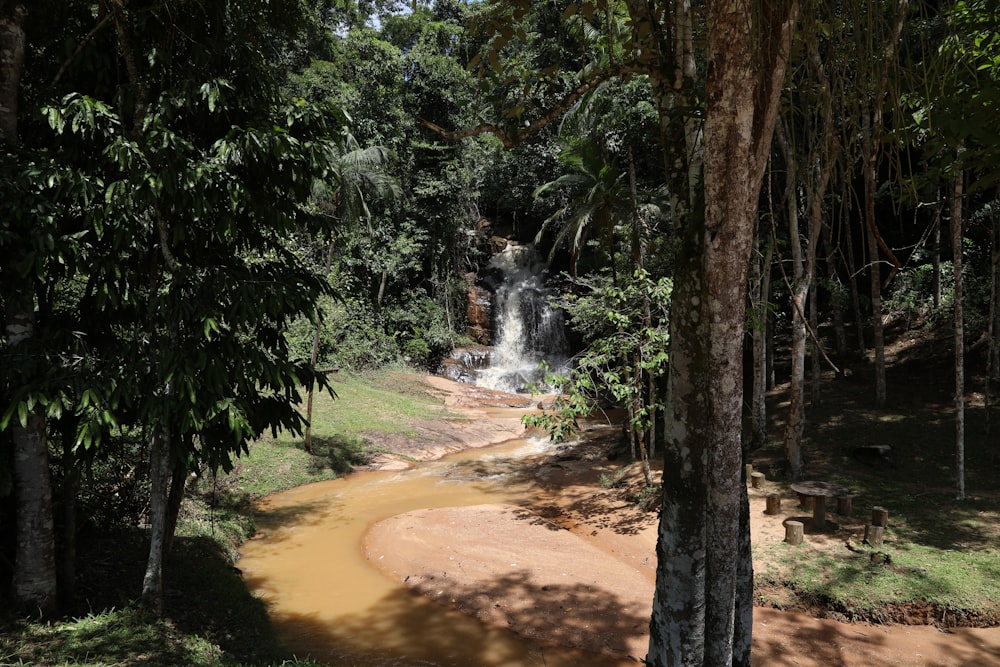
464	363
479	312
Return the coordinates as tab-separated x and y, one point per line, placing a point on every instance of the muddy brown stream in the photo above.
328	602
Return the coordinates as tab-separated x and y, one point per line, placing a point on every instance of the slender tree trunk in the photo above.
875	274
70	488
993	364
315	354
936	258
815	347
836	291
993	327
762	298
383	283
175	496
956	249
798	293
871	137
159	489
852	271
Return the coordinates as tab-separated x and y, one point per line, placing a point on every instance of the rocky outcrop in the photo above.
464	363
479	312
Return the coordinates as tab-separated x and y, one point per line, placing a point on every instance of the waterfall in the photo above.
528	330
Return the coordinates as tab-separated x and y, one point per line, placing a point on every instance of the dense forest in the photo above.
206	206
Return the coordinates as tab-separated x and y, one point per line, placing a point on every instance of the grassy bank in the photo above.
210	618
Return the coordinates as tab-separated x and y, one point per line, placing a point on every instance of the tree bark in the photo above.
159	489
701	614
175	496
761	297
66	561
12	39
852	269
875	274
314	357
836	302
798	292
35	580
956	249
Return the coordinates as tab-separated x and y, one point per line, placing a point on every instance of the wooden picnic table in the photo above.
819	492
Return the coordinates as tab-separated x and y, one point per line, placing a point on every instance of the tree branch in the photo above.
552	114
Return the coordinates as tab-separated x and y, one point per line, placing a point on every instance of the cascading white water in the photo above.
528	329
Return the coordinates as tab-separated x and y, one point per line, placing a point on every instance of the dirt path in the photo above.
576	566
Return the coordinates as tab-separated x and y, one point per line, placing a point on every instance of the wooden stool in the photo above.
793	532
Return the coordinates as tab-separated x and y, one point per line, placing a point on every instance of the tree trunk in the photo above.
701	613
66	562
836	290
798	293
875	274
936	258
159	489
956	249
993	326
314	357
762	297
852	270
12	15
993	363
175	496
815	348
35	583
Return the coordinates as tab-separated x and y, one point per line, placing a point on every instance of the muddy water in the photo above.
328	602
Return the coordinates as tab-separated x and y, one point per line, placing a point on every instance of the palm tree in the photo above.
598	197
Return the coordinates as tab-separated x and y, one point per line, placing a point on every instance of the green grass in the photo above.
373	403
210	617
919	580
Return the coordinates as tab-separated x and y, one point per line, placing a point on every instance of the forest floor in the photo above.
809	611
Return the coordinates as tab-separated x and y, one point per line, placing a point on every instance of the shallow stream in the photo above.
328	602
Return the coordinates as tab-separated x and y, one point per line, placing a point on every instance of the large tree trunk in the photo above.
956	249
35	581
700	609
35	587
12	16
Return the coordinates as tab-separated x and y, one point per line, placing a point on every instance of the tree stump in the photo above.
805	502
880	516
757	480
874	535
845	505
793	532
749	468
773	504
